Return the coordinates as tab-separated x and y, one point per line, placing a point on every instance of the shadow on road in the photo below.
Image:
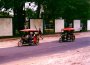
47	48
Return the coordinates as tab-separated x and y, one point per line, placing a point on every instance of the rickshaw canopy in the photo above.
29	30
68	29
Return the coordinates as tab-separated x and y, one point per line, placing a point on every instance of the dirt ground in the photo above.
48	52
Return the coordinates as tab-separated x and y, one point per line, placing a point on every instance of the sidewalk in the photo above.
8	39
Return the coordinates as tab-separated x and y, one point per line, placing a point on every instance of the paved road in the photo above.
48	46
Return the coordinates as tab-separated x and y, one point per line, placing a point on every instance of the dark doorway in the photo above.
49	26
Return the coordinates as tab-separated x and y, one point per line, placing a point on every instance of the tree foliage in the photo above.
67	9
30	14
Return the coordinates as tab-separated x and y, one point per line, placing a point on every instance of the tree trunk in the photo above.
19	18
38	10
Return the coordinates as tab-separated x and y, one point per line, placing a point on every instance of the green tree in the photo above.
29	13
67	9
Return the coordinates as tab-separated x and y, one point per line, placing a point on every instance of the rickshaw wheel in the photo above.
60	39
73	38
20	43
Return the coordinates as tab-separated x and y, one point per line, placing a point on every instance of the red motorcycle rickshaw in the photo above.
30	37
67	34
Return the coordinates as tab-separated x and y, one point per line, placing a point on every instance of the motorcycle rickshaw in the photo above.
67	34
30	37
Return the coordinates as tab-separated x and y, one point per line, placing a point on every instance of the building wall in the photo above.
6	27
76	25
59	24
36	24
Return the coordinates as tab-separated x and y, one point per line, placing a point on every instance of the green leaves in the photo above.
71	9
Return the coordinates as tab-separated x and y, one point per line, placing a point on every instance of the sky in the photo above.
31	6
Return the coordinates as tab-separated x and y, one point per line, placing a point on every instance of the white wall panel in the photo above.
6	27
77	25
59	24
36	24
88	25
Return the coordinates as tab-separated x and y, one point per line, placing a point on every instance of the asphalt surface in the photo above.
9	51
